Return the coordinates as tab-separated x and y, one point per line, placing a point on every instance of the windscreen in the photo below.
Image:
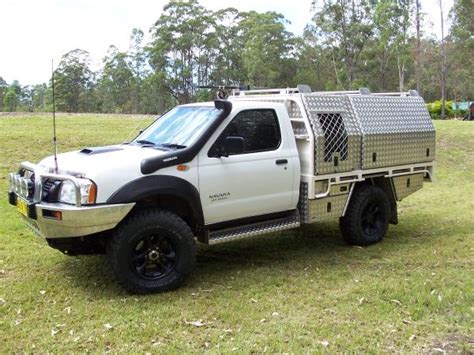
179	128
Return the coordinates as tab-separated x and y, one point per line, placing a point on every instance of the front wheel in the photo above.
152	251
367	216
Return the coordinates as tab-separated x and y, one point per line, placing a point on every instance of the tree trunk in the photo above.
335	71
401	73
418	47
443	64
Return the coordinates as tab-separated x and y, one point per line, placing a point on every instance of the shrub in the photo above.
434	108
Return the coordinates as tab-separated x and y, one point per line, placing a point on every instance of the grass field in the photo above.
296	291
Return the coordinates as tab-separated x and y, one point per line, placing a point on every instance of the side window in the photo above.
258	128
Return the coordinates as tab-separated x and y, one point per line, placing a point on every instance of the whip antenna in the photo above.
55	141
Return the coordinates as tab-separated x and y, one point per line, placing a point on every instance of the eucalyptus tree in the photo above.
156	97
137	61
430	69
116	82
402	42
13	96
461	46
267	47
40	97
10	100
228	66
390	44
344	27
444	63
136	54
462	29
389	35
314	64
25	100
181	37
74	82
418	43
3	89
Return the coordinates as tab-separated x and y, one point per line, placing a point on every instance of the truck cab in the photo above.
250	166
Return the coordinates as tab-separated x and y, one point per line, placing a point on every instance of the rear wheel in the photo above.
153	251
367	216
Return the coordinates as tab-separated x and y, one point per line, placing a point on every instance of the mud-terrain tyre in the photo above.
152	251
367	216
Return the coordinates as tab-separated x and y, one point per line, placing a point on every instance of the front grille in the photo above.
31	186
47	185
50	190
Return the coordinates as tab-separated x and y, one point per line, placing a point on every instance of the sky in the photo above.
33	32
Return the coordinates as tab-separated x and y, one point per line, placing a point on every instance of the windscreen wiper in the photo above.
173	146
150	144
145	142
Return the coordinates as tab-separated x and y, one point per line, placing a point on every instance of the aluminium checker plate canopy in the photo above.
398	130
355	132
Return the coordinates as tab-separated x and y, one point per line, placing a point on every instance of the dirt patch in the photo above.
452	344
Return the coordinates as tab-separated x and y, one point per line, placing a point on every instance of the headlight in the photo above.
67	192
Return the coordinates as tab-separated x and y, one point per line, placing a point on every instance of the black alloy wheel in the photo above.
153	257
152	251
372	219
367	216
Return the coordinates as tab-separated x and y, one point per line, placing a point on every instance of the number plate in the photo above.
22	206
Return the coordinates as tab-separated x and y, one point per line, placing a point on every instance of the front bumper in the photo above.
75	221
59	220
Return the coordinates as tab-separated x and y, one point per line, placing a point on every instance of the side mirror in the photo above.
234	145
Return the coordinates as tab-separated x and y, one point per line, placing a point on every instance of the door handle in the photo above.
282	162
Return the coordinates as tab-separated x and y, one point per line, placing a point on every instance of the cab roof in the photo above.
252	104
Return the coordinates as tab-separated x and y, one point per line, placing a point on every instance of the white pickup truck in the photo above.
261	161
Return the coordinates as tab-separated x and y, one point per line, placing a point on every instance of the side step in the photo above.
254	229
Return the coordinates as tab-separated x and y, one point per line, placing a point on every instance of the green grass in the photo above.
295	291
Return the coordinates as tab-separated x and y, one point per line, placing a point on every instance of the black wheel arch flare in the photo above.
160	185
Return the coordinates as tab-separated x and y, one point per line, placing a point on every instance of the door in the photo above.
256	179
